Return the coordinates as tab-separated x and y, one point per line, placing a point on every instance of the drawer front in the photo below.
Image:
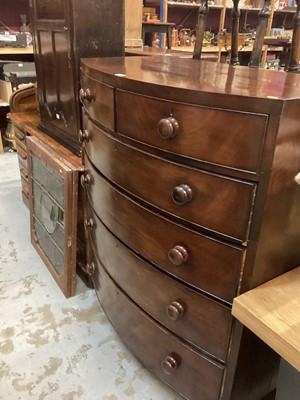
21	145
25	187
198	260
189	373
227	138
22	161
210	201
25	199
201	321
98	100
24	174
19	133
22	155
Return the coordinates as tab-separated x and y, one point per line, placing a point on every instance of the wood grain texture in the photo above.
213	266
145	285
271	311
29	121
58	34
191	80
220	199
201	130
62	265
196	376
100	106
237	123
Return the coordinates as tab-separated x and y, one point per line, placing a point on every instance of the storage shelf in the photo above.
173	4
184	14
191	5
289	10
185	5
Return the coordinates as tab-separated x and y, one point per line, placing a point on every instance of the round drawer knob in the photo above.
178	255
182	194
90	268
175	310
85	94
89	223
85	180
169	365
167	128
84	136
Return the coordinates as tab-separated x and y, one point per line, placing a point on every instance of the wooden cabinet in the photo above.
191	200
65	31
26	126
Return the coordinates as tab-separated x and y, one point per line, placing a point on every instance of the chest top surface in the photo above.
212	80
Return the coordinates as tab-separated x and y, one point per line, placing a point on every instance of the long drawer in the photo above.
174	305
214	202
225	137
188	372
205	263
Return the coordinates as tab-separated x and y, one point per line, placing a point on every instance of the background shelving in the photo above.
184	15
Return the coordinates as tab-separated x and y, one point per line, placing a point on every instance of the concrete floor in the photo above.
51	347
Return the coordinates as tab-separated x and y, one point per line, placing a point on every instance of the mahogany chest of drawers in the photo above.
192	199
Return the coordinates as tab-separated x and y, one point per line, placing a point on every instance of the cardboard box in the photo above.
150	10
5	92
133	23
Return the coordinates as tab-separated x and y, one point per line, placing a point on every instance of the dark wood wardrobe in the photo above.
63	32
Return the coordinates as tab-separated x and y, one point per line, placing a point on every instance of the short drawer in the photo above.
98	100
24	174
25	198
25	187
210	201
225	137
205	263
203	322
23	161
21	144
19	133
22	153
188	372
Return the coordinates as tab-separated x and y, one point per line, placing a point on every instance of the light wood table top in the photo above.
272	312
16	50
29	121
17	54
